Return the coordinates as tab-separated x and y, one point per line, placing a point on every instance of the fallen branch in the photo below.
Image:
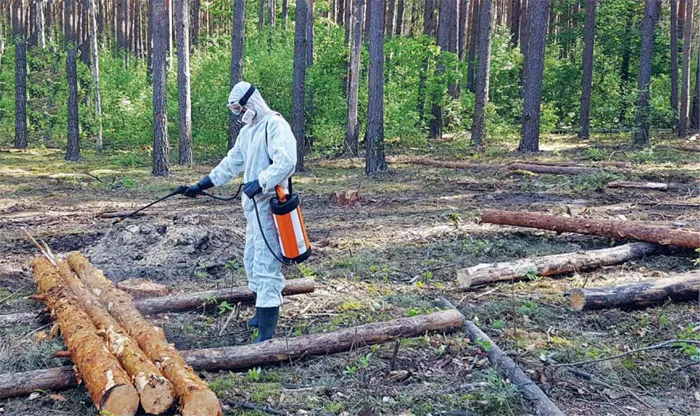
555	170
613	229
637	295
507	368
275	351
118	214
673	343
652	186
490	273
689	148
177	303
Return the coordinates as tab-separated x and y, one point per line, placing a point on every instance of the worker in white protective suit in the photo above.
265	152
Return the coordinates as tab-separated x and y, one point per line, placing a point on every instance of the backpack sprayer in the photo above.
286	213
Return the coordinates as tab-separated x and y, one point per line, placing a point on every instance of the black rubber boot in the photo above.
267	322
253	322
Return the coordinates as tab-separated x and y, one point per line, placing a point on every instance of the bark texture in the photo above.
587	76
638	295
194	395
613	229
375	160
108	384
490	273
155	391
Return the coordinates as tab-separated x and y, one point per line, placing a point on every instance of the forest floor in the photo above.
392	254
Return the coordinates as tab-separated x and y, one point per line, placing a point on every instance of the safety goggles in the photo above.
236	108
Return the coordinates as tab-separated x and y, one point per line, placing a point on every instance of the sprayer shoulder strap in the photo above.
268	154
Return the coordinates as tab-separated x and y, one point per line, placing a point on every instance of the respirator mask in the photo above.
246	115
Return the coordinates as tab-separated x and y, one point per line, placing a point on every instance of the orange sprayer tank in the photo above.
291	230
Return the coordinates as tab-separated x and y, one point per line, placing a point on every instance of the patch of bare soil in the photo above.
167	251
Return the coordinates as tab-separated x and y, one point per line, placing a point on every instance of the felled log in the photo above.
106	381
554	170
194	395
652	186
21	318
189	301
285	349
142	288
689	148
274	351
608	163
638	295
155	391
507	368
490	273
180	303
613	229
453	164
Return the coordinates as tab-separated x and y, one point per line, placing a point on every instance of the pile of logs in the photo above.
122	358
637	295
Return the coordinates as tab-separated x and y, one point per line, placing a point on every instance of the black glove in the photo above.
252	188
202	185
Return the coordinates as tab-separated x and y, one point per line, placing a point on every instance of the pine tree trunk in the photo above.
515	22
695	113
447	25
309	91
674	60
352	136
183	81
41	32
171	61
482	79
389	24
347	23
587	76
149	41
94	47
429	18
298	88
196	21
20	75
625	64
473	45
375	160
73	146
641	134
462	31
285	13
400	11
685	71
237	42
161	152
534	67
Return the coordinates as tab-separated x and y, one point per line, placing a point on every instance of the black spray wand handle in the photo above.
180	190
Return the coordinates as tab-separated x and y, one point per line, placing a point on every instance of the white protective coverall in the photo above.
251	155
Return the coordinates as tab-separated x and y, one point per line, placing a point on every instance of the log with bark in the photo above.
490	273
451	164
689	148
108	384
613	229
507	368
178	303
554	170
610	163
275	351
638	295
155	391
142	288
652	186
194	395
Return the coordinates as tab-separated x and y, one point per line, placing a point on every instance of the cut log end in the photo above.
464	279
201	403
157	394
121	400
578	299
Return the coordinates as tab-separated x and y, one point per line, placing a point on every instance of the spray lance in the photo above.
286	213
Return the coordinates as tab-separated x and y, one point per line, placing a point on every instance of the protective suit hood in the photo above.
255	102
